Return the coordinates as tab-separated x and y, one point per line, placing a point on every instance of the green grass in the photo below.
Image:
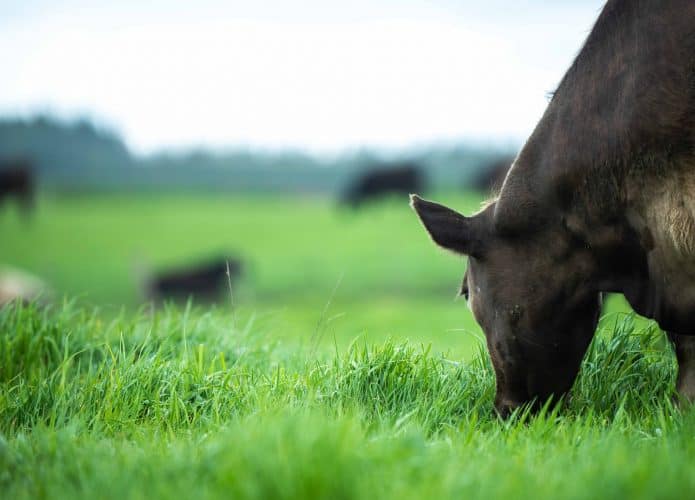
179	404
340	368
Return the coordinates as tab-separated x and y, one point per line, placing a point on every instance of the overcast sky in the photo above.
321	75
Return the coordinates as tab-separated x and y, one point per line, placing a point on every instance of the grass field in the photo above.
376	267
340	367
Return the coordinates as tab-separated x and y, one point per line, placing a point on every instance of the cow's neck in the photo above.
618	111
615	150
578	133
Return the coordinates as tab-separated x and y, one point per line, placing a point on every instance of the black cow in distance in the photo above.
205	281
17	182
384	180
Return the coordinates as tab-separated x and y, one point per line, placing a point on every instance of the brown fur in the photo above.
600	199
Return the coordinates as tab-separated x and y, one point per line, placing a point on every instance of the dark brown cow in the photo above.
600	199
203	281
384	180
17	181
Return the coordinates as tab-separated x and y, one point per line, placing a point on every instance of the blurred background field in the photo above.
311	266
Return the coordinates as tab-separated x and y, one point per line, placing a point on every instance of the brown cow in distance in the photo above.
600	199
202	281
17	181
384	180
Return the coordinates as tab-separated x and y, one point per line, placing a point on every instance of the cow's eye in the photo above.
464	290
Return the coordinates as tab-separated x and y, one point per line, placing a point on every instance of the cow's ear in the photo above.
447	228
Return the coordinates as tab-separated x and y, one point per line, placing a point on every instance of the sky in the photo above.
324	76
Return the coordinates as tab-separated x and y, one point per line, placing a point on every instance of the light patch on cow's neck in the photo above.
669	212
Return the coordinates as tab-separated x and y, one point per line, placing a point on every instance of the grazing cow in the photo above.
17	181
600	199
491	176
204	281
403	178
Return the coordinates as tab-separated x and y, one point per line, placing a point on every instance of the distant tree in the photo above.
60	149
81	155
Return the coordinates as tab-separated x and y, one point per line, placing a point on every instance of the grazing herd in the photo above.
600	199
208	280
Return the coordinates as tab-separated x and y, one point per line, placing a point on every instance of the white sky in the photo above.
322	75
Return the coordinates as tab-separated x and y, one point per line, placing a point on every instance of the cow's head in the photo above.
531	293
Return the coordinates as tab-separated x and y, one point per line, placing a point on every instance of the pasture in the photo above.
340	366
308	264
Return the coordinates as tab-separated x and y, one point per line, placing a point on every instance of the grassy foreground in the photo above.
190	404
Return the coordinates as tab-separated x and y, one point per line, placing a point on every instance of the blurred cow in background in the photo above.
203	281
17	181
383	180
